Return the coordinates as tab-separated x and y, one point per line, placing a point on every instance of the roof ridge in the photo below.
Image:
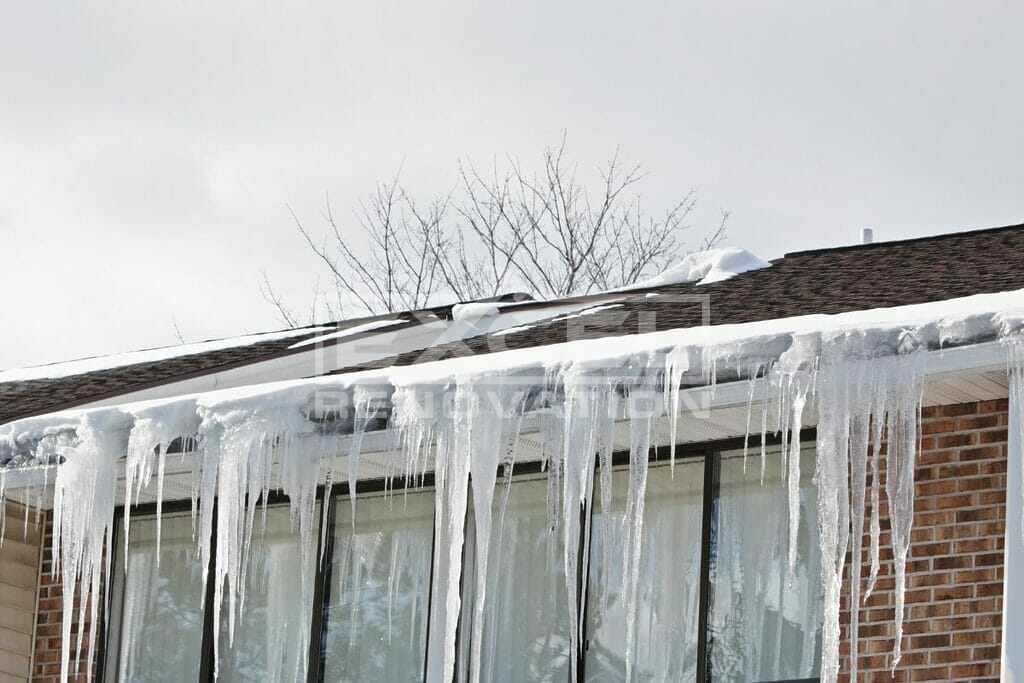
909	240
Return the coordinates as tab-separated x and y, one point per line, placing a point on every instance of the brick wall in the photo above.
51	619
953	617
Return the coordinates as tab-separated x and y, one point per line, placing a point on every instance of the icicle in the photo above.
851	379
901	457
362	412
83	514
301	459
792	380
640	412
678	363
451	434
606	447
413	423
585	420
154	430
752	377
491	408
877	429
830	468
860	420
240	443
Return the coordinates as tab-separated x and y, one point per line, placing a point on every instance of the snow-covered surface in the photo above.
513	330
371	326
474	311
858	369
84	365
705	267
586	311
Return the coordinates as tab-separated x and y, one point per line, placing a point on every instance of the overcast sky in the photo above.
148	150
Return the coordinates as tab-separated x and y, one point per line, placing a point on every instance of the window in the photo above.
160	600
378	597
525	636
669	588
272	620
714	601
763	626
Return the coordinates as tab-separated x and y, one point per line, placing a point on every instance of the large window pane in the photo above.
525	633
270	630
158	604
669	581
376	615
762	628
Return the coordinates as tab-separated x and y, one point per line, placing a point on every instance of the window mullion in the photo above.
105	640
712	461
322	587
210	631
585	539
430	594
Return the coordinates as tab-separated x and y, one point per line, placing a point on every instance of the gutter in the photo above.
988	356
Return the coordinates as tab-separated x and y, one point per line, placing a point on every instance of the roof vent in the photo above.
867	236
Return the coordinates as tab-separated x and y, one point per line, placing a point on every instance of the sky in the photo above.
149	151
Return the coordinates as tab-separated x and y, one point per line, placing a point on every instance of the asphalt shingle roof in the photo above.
837	280
828	281
32	397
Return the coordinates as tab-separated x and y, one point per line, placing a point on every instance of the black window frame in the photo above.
710	452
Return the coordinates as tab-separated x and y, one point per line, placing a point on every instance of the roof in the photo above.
820	281
829	281
52	389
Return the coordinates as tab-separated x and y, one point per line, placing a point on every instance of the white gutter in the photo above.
941	364
1013	554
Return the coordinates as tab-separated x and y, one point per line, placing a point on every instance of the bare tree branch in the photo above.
283	312
549	232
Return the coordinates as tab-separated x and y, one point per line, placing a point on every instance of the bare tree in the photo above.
547	232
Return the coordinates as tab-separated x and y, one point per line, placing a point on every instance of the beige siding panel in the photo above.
19	575
14	525
8	678
19	552
13	667
22	621
19	581
17	597
12	641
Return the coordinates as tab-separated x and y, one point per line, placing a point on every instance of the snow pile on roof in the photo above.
474	311
705	267
861	370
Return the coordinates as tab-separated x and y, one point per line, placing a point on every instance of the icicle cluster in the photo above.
863	398
866	390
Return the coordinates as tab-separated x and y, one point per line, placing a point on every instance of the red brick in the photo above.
956	554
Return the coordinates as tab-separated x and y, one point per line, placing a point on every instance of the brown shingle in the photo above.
825	281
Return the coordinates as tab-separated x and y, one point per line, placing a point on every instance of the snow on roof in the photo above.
474	311
371	326
705	267
84	365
